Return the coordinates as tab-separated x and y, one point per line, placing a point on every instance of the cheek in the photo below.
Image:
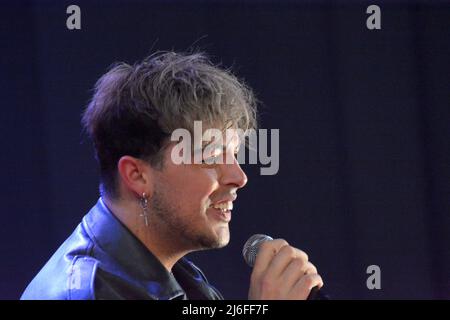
192	187
202	185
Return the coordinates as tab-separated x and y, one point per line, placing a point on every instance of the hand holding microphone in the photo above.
280	271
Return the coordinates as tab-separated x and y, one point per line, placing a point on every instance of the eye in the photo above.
218	156
212	159
213	156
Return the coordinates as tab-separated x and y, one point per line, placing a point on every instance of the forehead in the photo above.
230	137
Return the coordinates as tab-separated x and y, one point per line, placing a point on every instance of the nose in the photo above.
232	174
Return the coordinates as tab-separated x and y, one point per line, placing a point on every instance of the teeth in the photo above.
224	206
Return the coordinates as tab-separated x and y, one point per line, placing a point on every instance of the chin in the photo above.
223	238
222	243
218	239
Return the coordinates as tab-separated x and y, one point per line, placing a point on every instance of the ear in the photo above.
136	175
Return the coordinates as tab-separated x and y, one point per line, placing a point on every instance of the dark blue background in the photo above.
363	116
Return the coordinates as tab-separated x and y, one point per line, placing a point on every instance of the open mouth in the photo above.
223	206
223	210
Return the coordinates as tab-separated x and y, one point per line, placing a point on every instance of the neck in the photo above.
154	237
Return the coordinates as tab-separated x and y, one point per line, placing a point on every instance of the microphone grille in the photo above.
251	247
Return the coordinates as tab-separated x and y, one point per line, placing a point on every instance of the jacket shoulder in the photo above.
64	280
69	274
81	278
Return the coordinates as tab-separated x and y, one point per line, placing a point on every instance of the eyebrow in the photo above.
206	143
229	125
218	146
224	147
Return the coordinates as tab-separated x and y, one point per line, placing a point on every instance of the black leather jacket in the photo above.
102	259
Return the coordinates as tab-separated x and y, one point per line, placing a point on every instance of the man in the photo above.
153	211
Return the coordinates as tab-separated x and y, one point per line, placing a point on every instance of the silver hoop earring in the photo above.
144	205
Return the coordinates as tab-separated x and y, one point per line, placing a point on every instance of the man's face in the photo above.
192	202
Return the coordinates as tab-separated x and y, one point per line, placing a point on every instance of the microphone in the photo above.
250	251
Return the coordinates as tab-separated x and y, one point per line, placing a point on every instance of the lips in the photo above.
222	215
229	199
223	206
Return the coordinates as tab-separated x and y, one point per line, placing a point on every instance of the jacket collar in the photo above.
131	256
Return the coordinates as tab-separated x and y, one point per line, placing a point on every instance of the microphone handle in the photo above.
316	294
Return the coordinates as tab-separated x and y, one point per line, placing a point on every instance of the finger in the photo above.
294	271
303	287
266	252
310	268
283	258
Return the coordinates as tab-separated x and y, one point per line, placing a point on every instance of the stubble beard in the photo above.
180	229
